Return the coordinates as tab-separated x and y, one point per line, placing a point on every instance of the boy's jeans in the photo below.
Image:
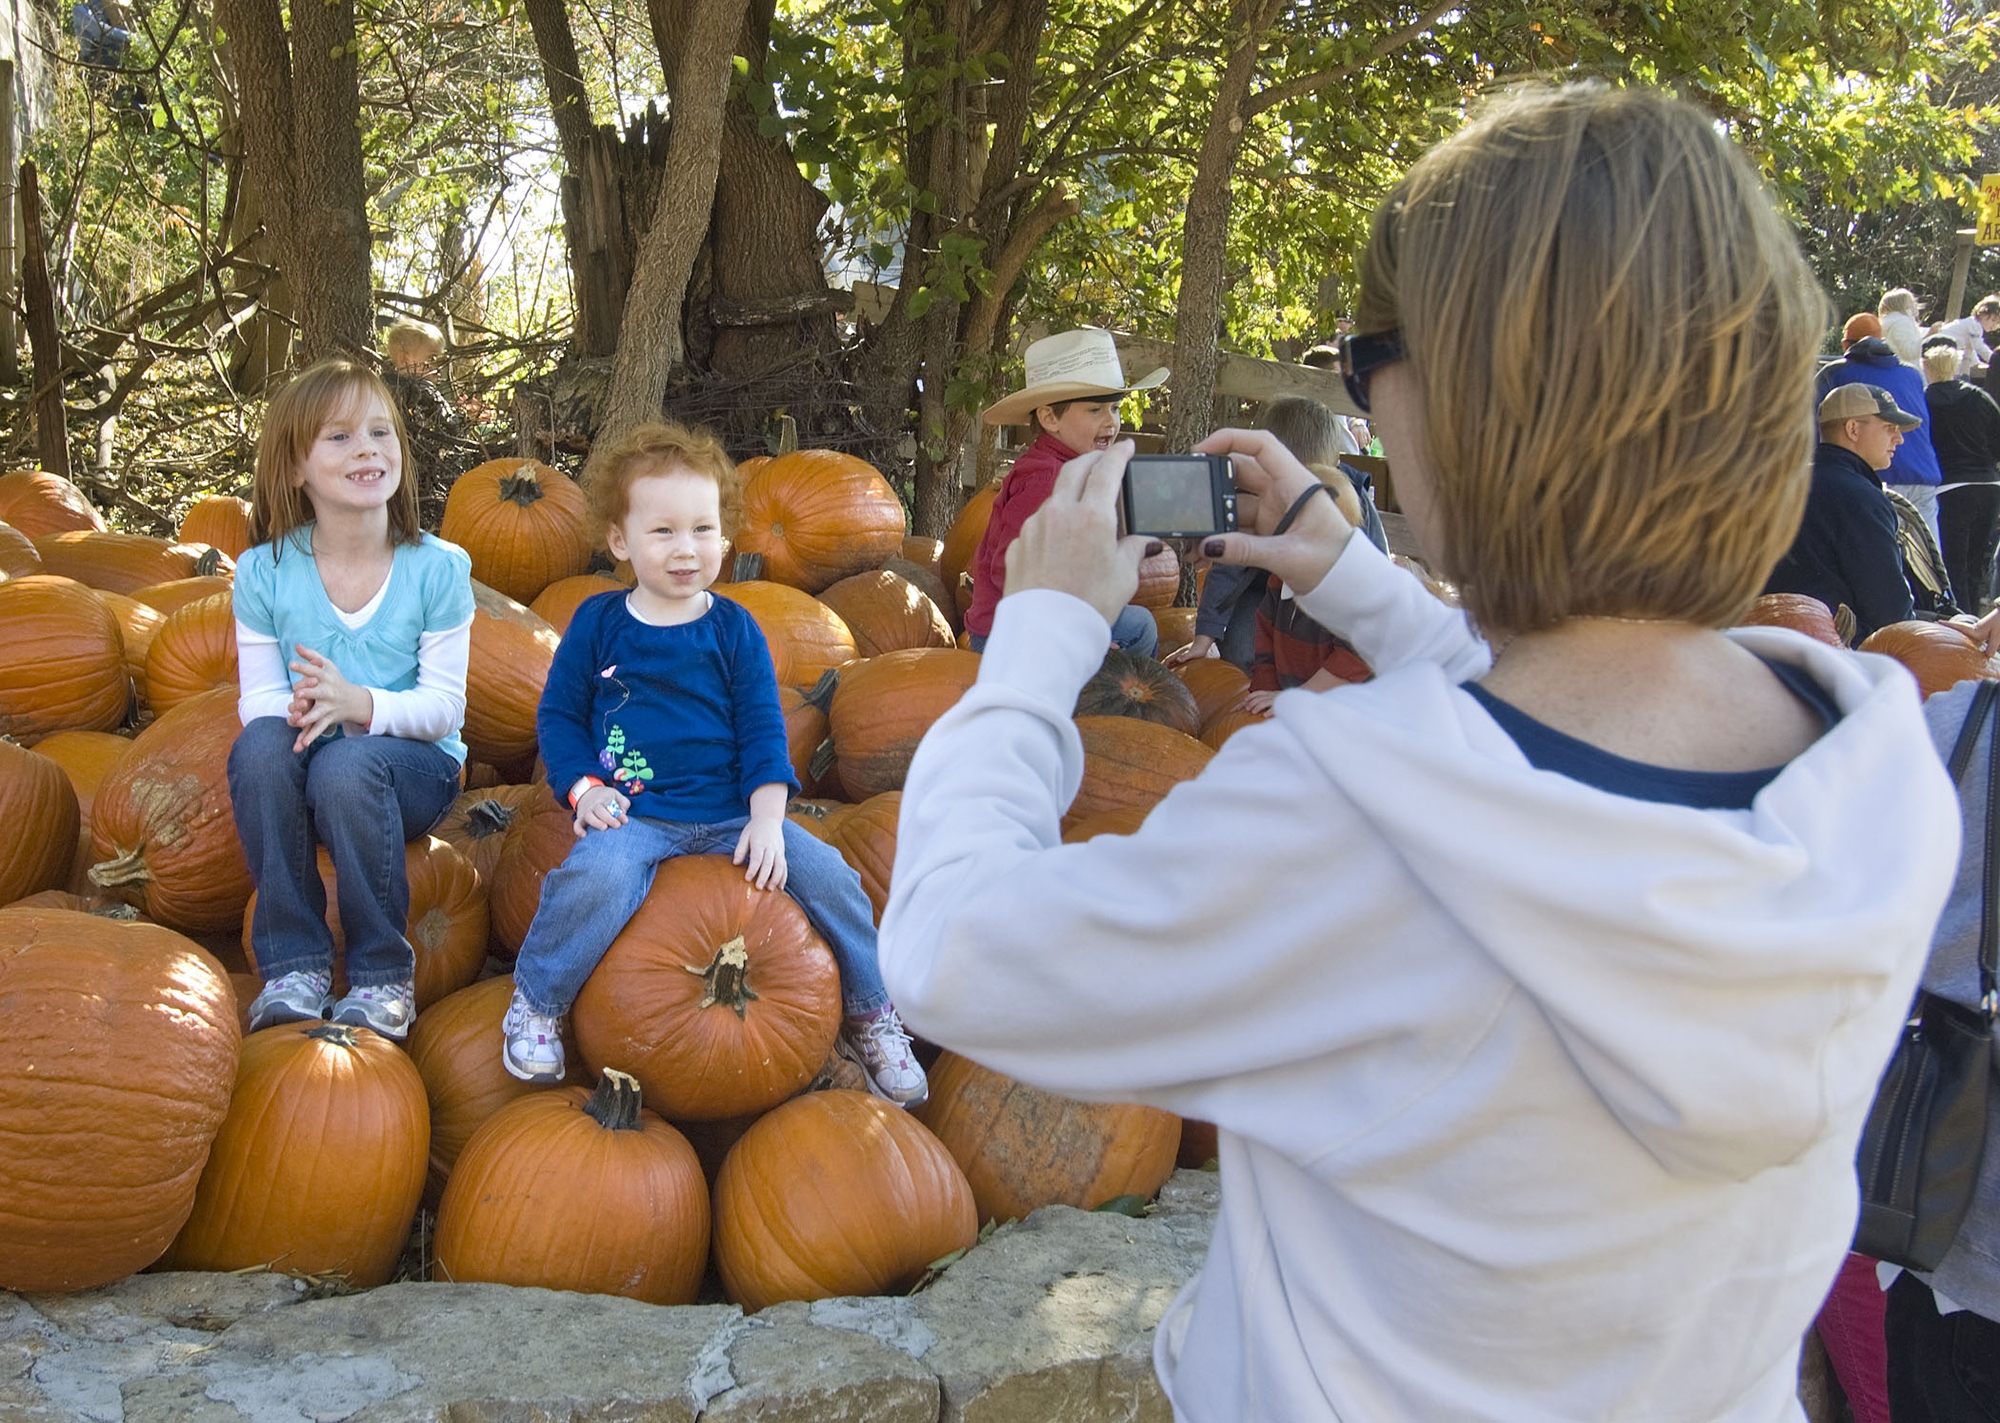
364	798
1135	632
587	899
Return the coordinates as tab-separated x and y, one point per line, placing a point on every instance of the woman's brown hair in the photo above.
1612	334
293	420
662	447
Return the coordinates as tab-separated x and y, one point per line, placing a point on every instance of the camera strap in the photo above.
1300	503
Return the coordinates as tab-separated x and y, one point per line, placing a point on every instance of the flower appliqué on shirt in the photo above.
626	765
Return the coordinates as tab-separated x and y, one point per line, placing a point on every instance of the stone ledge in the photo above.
1049	1321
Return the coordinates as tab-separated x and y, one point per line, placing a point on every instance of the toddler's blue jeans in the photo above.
587	899
364	798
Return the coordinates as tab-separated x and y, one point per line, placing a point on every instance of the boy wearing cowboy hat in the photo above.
1071	392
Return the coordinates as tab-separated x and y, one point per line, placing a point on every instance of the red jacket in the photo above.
1027	484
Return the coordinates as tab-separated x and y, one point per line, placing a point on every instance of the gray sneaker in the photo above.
388	1008
532	1047
879	1044
300	996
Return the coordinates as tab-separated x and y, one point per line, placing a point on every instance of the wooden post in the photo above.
10	336
44	344
1959	270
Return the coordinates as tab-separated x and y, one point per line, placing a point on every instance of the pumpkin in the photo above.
455	1047
1197	1146
1175	627
523	523
194	652
480	822
124	563
927	554
887	613
1128	762
1022	1148
319	1165
818	817
929	583
961	543
807	638
1938	655
1130	685
806	729
538	840
1125	820
818	516
18	558
62	661
1796	611
86	758
718	996
446	926
170	597
222	521
1159	579
511	653
713	1141
1217	686
557	603
162	828
578	1190
883	707
38	807
138	624
37	503
1227	725
836	1193
115	1071
866	839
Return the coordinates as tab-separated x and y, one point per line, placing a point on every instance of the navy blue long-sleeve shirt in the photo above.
683	719
1846	550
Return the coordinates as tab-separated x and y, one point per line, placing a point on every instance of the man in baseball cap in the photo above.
1846	549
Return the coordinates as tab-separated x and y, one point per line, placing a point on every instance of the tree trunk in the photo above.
44	343
330	263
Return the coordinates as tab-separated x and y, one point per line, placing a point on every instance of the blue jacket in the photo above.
1846	549
1869	361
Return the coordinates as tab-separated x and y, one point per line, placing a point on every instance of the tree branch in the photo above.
1308	83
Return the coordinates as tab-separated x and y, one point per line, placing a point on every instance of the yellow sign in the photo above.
1989	210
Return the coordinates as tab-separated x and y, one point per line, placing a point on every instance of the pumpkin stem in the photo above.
128	867
823	757
821	695
521	489
616	1102
339	1034
488	817
208	562
727	977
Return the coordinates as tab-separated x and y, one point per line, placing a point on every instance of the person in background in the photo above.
1965	429
1899	311
1913	472
1971	333
414	348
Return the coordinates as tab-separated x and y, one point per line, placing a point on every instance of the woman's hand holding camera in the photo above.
1272	476
1071	543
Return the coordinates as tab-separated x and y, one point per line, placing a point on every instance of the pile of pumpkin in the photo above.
139	1127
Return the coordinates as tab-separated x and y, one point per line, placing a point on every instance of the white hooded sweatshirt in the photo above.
1535	1101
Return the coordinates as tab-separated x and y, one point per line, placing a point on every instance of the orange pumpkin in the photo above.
162	828
1175	627
37	503
115	1071
138	624
1227	724
887	613
1939	655
961	542
62	661
836	1193
447	921
38	807
18	558
1217	686
480	821
866	839
717	996
1159	579
86	758
578	1190
1127	762
807	638
1126	820
818	516
1129	685
883	707
221	521
927	554
523	523
1796	611
1198	1144
125	563
806	731
169	598
319	1165
194	652
511	653
1023	1148
536	842
557	603
455	1047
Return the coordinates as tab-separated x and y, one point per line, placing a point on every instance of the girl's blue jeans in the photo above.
587	899
364	798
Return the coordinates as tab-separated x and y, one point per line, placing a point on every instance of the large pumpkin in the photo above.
446	927
116	1064
455	1046
18	558
125	563
1226	724
887	613
557	603
62	660
319	1165
38	808
717	996
866	839
1217	686
86	758
523	524
807	638
512	650
1125	820
162	828
1175	628
1159	579
1023	1148
538	840
194	652
883	707
1939	655
1131	762
221	521
138	624
1130	685
578	1190
806	731
170	597
480	821
1797	611
961	542
836	1193
37	503
818	516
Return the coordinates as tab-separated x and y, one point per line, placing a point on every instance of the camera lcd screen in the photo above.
1171	496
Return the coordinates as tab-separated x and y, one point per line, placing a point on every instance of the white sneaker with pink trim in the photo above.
533	1050
880	1046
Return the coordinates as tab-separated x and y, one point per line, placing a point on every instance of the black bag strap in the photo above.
1989	911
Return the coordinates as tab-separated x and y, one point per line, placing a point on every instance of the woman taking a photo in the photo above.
1538	987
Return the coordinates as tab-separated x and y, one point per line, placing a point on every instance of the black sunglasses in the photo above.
1364	353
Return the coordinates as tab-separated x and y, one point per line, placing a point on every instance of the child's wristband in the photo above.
586	782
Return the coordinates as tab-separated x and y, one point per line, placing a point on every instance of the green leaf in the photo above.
1122	1205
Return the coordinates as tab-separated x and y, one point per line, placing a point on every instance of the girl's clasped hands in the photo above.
323	699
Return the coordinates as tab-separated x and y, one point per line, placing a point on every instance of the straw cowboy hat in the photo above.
1072	365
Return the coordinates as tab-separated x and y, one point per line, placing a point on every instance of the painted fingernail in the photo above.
1155	546
1212	549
